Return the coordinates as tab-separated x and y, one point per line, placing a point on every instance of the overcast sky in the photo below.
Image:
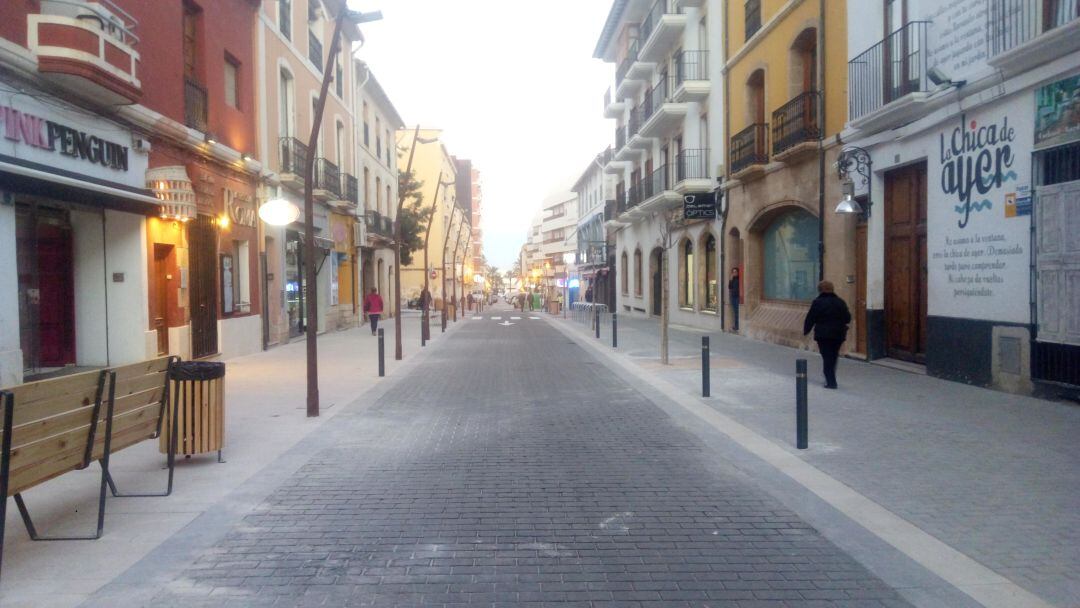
514	87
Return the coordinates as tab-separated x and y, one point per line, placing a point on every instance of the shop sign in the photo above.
699	206
240	208
37	132
1057	113
978	214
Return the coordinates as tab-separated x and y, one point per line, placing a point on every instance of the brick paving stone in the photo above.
514	470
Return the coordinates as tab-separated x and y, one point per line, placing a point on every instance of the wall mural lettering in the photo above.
976	159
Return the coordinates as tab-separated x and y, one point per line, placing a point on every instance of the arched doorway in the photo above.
655	273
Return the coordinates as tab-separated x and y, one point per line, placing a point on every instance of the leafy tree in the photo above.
412	218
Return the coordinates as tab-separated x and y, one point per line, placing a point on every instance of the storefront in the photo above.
205	295
73	215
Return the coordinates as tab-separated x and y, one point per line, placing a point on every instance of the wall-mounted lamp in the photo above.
854	158
209	138
939	78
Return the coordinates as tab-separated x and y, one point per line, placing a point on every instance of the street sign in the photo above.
699	206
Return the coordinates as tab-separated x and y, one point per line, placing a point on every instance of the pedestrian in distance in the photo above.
588	294
373	306
733	297
828	317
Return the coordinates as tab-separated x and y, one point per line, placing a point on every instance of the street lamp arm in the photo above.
857	159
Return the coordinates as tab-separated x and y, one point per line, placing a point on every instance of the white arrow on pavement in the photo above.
505	323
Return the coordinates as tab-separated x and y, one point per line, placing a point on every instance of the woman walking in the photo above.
829	318
733	297
373	306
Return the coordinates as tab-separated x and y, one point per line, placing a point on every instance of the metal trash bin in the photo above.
197	399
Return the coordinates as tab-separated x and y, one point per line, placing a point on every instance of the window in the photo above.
339	80
367	141
191	42
639	284
232	82
285	18
388	147
625	271
791	257
367	189
378	139
378	194
753	17
388	199
340	141
315	50
286	105
686	274
712	294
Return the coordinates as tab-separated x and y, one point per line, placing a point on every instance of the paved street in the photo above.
478	479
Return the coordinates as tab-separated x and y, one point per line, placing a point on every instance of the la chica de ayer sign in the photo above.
37	132
977	239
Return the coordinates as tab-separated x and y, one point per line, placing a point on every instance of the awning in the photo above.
34	178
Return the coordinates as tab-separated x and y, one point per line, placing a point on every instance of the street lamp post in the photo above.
425	328
397	244
311	290
446	242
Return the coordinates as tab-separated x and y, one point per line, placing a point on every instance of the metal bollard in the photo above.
444	318
423	329
596	318
801	414
704	366
382	354
614	330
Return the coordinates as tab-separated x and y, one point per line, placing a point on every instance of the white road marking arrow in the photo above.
506	324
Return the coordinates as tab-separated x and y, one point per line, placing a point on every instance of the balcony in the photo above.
1022	34
195	105
663	116
795	128
749	151
315	51
349	193
613	108
293	162
88	48
631	73
661	30
692	172
888	83
691	76
379	226
327	184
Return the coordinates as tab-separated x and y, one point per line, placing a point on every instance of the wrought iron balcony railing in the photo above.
637	118
293	156
656	13
195	105
620	137
691	65
655	183
1011	23
655	97
692	164
624	65
889	70
611	208
796	122
350	187
327	177
748	147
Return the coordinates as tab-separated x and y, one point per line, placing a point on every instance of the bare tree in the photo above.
671	220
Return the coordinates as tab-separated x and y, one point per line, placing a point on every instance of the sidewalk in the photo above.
993	475
265	395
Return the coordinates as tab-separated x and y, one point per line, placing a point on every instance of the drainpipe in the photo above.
821	137
724	139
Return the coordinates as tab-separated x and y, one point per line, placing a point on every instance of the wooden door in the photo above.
905	263
159	296
56	294
860	289
202	258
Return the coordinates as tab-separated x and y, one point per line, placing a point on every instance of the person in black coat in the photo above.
733	297
828	317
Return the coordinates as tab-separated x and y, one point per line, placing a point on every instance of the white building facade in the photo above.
667	101
594	267
970	114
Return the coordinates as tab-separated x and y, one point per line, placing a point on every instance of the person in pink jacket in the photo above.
373	306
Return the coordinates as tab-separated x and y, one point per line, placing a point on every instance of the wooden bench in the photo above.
65	424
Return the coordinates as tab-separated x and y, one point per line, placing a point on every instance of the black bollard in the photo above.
444	318
382	354
801	414
596	319
614	330
704	366
423	328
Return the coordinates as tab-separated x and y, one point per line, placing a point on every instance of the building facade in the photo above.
557	243
970	115
667	101
786	105
594	268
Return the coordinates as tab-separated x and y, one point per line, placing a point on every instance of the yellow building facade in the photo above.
431	162
786	92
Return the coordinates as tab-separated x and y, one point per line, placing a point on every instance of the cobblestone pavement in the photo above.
997	476
512	469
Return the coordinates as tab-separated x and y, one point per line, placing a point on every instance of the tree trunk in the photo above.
664	296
